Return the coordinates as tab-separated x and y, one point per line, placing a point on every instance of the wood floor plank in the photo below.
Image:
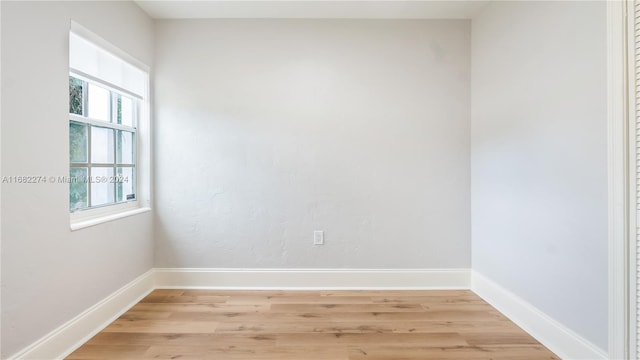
314	299
350	316
161	326
200	308
498	338
323	326
534	352
109	352
340	308
182	299
433	300
254	353
184	339
145	315
424	339
312	325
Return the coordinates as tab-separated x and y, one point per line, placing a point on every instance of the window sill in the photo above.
77	225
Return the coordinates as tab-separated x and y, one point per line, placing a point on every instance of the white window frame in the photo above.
92	122
99	214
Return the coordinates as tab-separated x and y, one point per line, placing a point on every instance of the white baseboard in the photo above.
556	337
65	339
301	279
68	337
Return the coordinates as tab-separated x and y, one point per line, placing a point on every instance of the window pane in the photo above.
124	147
125	110
102	149
78	188
102	186
125	185
75	95
98	102
77	142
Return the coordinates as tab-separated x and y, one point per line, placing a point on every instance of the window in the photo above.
108	119
102	145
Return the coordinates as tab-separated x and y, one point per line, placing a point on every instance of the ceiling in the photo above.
311	9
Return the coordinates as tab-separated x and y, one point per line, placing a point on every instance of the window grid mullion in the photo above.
89	171
114	120
101	123
85	98
102	165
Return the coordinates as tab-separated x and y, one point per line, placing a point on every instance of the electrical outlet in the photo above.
318	237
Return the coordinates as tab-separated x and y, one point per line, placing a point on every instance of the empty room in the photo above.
319	180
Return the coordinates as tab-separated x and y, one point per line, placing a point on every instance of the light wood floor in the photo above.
312	325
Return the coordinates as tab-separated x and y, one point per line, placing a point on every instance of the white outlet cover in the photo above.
318	237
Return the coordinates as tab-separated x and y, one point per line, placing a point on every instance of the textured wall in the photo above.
539	157
50	274
269	129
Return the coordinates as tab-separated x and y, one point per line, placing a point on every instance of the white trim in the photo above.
312	9
558	338
105	84
101	123
81	224
65	339
1	287
302	279
90	36
618	177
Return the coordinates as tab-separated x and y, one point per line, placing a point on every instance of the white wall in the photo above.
269	129
539	157
50	274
